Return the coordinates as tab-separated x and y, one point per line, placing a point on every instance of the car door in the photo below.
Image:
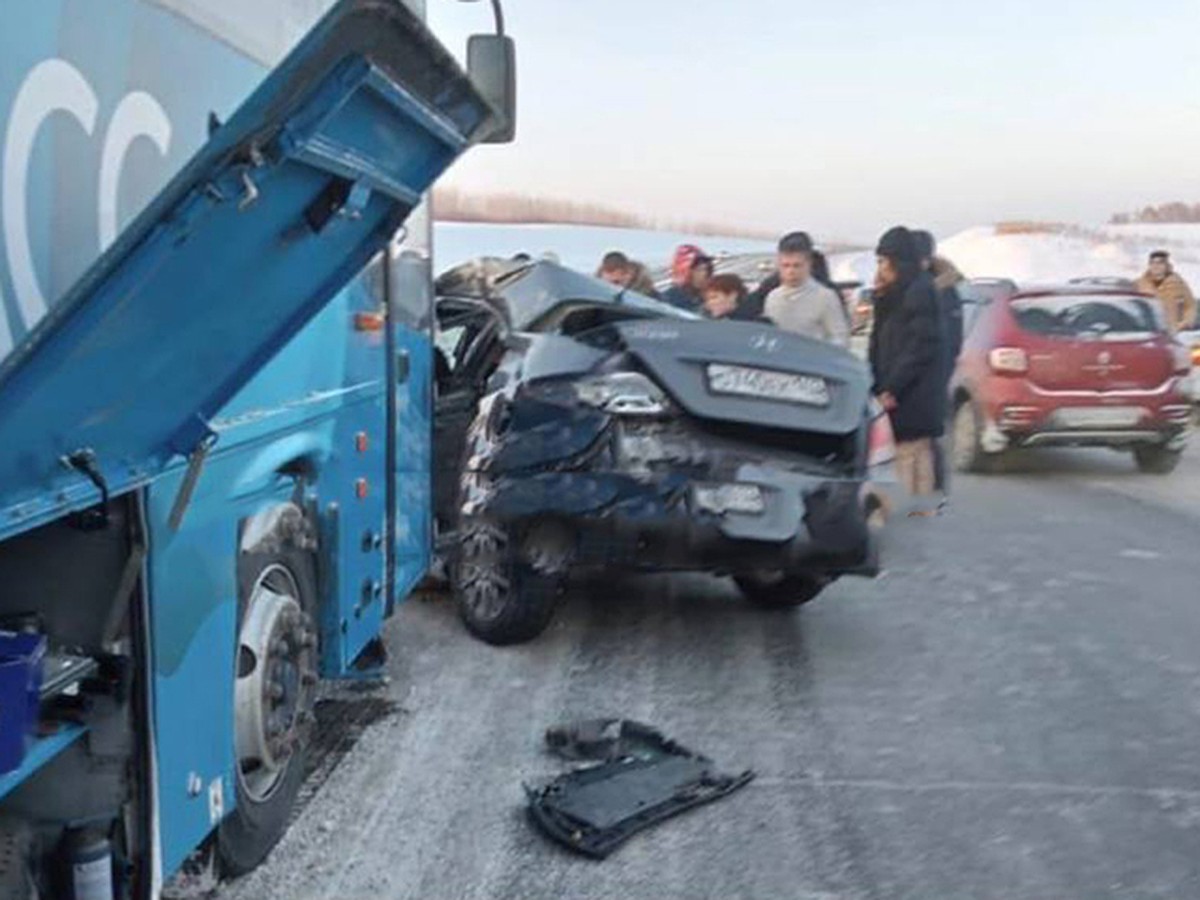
465	345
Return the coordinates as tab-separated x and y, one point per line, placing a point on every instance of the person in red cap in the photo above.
691	270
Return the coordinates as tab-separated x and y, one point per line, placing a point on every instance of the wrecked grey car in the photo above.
579	427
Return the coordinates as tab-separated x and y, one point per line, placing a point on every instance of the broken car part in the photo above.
644	778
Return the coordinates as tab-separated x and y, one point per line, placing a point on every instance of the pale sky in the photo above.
843	117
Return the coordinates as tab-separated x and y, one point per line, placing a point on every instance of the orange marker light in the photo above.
360	489
369	321
360	442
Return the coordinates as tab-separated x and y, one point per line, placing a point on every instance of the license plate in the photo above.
1100	417
768	384
727	498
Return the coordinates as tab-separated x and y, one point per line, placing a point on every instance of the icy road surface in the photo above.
1010	712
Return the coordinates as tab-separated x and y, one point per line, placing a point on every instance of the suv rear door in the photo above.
1097	342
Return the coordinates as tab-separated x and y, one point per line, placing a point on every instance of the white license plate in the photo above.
768	384
727	498
1099	417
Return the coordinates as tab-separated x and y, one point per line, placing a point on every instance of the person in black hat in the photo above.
906	359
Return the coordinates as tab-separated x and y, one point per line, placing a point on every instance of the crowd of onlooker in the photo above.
916	333
914	342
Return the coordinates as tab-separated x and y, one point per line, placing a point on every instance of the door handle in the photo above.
403	366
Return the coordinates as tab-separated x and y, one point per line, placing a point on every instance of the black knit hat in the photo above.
899	245
926	244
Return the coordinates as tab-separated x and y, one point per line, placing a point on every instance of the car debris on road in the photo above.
637	778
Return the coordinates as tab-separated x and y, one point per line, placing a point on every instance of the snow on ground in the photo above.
577	246
981	252
1070	252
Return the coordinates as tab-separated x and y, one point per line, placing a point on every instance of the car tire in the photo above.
263	810
501	599
772	590
966	444
1156	459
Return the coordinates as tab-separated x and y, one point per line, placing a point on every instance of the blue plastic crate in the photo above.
21	657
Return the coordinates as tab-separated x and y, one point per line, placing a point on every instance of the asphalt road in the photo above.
1011	711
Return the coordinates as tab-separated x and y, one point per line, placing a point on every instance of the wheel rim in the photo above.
276	678
965	436
485	588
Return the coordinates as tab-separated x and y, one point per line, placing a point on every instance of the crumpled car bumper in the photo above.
807	522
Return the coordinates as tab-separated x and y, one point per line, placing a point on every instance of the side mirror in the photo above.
492	65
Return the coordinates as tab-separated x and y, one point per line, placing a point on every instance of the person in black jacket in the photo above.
946	279
907	358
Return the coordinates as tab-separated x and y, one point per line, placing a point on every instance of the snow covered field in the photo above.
1072	252
577	246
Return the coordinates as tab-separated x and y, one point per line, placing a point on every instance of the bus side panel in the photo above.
413	458
410	322
193	622
92	130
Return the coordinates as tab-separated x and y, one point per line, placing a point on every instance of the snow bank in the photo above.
1072	252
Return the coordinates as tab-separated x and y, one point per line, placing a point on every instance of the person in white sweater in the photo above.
801	304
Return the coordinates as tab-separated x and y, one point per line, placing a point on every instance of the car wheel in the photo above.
501	599
774	590
1156	460
273	712
966	446
966	451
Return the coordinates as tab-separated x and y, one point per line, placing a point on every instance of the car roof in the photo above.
529	291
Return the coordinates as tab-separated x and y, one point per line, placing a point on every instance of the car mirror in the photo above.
492	65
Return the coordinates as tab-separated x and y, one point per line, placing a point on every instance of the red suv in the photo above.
1081	365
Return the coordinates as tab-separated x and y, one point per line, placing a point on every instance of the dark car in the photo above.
1088	363
584	429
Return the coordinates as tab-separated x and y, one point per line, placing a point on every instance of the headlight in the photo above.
623	394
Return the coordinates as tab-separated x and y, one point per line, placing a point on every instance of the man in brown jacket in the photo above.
1179	306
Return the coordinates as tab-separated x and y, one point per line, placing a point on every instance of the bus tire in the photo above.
277	608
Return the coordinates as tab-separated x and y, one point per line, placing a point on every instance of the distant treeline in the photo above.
1164	213
454	205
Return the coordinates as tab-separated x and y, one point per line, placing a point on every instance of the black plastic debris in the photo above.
639	777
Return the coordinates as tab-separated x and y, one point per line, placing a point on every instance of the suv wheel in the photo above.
967	451
1155	459
774	590
501	599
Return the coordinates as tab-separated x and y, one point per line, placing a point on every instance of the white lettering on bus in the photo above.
54	85
137	115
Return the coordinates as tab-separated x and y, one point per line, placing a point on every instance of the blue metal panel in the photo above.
413	463
217	275
193	585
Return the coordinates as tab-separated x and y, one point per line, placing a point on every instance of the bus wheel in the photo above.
274	694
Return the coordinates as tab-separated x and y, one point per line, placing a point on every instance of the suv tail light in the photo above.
1185	358
881	442
1009	361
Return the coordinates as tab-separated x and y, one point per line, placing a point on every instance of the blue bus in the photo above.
215	405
